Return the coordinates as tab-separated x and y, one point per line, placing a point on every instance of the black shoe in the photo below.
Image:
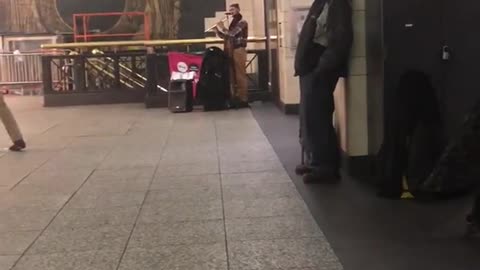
302	169
18	146
321	178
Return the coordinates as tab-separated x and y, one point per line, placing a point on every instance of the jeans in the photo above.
317	133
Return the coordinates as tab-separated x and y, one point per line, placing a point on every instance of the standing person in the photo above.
321	59
236	36
11	125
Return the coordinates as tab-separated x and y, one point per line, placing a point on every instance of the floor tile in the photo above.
194	194
265	208
6	262
260	191
189	156
66	240
73	159
166	182
25	220
247	152
15	243
123	174
269	177
282	254
115	186
60	189
188	169
87	260
150	236
106	200
187	257
16	166
15	201
51	178
137	158
289	227
250	166
168	211
95	217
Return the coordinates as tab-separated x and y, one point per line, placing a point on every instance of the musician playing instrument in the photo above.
236	36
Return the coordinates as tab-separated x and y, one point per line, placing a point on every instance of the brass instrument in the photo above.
215	25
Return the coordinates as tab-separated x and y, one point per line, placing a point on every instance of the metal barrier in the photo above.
128	74
93	72
23	72
20	69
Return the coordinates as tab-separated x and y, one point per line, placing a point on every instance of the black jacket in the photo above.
311	57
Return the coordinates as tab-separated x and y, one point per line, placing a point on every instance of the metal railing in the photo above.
17	69
123	74
93	72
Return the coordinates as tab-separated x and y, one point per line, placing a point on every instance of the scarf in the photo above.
236	19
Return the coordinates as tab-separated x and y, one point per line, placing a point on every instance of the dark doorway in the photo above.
416	35
461	89
413	37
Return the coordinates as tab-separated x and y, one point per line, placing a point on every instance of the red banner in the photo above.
181	64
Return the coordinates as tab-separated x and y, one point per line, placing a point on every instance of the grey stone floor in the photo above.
121	187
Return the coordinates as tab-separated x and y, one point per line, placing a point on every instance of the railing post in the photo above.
151	72
47	74
79	80
153	99
116	70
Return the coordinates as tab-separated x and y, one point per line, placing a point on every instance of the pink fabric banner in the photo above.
183	63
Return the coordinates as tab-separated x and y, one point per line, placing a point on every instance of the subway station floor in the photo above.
121	187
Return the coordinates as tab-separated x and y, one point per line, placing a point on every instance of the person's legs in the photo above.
305	90
11	126
319	134
240	60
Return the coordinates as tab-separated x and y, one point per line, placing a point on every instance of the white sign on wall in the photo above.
298	17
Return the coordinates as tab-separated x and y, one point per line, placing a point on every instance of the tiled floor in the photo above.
121	187
367	232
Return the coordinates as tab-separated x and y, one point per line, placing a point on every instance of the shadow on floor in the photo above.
370	233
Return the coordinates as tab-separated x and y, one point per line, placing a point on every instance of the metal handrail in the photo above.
146	43
124	67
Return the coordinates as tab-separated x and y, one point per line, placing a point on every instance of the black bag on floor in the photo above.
458	170
413	140
213	88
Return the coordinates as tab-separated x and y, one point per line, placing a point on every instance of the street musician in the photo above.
235	37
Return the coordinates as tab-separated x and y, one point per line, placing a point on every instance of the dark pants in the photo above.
317	133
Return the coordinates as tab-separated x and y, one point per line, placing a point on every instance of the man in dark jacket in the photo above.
321	59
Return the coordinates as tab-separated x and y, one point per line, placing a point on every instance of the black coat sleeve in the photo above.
340	37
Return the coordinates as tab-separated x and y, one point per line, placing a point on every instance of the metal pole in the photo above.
266	8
